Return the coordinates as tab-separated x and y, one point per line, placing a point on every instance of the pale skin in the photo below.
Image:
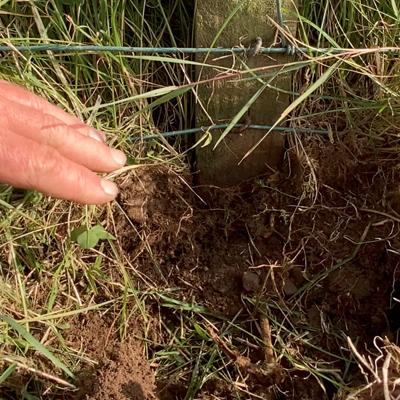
46	149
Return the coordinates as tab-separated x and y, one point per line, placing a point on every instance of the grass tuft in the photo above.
50	286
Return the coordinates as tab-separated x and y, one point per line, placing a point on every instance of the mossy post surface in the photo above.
221	100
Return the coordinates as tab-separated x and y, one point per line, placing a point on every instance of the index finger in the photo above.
24	97
27	164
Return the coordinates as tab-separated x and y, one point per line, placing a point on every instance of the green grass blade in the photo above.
164	99
395	9
311	89
152	93
172	60
240	114
223	26
4	376
321	32
226	22
36	344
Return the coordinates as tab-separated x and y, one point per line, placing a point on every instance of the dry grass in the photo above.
327	217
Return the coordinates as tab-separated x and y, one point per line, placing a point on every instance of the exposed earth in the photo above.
301	259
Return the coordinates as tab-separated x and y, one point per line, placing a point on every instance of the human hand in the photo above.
46	149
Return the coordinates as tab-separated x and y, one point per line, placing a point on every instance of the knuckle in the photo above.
51	166
52	130
82	187
44	163
80	181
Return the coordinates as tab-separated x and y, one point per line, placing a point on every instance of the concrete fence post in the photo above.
221	100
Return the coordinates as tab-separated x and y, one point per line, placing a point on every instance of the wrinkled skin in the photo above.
45	149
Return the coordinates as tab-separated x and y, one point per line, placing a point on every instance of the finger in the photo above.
27	164
88	151
16	94
13	112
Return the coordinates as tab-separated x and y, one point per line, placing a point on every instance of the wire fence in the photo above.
285	49
61	48
205	129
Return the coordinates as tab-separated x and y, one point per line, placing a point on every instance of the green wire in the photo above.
61	48
223	126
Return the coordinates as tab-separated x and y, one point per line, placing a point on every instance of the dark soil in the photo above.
329	252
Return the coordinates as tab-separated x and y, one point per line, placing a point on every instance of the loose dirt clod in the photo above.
251	281
289	287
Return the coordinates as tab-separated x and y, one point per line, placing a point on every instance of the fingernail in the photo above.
109	188
118	156
96	135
